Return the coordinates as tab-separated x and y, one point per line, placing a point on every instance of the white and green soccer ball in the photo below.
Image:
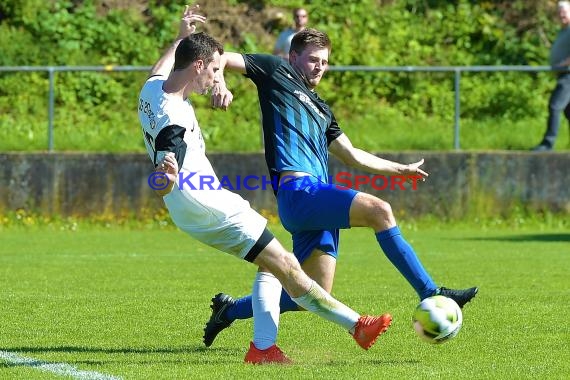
437	319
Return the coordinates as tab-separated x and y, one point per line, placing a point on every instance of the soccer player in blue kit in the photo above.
299	131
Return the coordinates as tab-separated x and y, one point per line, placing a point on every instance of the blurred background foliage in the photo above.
97	111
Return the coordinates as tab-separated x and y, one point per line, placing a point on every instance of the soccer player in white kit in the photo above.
220	218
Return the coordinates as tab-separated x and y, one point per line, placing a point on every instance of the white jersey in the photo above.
158	110
219	218
283	42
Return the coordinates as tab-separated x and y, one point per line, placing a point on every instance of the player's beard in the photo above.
315	81
305	78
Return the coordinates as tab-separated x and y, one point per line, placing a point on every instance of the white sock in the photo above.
318	301
265	302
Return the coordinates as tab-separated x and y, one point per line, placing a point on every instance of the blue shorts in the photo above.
313	212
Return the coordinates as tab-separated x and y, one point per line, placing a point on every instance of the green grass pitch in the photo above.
131	303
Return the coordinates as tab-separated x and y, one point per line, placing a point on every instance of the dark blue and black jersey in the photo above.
298	126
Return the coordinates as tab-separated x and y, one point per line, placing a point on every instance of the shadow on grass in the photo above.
547	238
39	363
220	355
126	350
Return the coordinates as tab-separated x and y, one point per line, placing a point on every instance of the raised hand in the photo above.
414	170
221	96
188	21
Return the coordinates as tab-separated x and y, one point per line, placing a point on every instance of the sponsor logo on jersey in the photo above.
307	100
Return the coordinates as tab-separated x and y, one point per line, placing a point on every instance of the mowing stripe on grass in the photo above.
62	369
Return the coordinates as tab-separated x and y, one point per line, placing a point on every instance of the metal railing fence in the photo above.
457	70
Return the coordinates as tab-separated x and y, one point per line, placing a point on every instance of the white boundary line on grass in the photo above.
62	369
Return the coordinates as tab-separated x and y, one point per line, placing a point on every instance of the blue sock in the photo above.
242	308
403	257
286	303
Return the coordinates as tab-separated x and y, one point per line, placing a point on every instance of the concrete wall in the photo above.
90	184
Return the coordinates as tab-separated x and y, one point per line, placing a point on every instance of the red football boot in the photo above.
368	329
271	355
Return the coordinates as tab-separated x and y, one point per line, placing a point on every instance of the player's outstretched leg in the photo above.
364	329
460	296
220	303
306	293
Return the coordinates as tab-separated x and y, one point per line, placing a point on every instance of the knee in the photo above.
381	215
380	208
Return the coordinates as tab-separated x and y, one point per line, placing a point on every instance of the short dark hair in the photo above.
194	47
309	36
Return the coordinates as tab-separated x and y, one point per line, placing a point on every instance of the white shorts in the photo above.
218	218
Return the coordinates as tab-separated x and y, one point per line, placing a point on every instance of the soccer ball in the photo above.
437	319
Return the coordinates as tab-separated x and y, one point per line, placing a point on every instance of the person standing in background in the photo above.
283	43
560	97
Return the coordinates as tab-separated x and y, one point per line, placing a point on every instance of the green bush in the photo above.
97	110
